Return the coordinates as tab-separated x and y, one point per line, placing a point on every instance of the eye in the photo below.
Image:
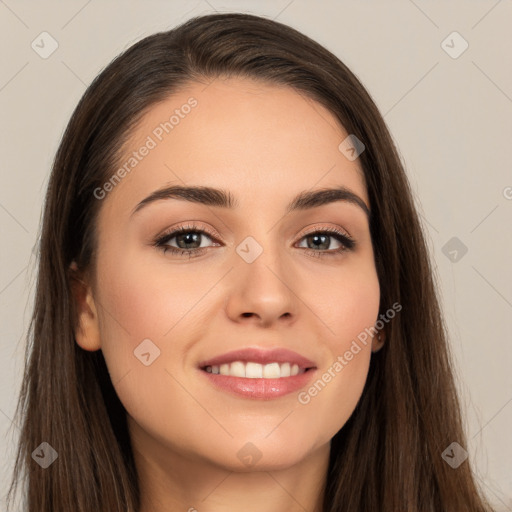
321	239
188	240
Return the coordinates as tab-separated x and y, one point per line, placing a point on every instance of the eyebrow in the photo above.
224	199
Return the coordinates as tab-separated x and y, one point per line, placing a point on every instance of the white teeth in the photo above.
237	369
255	370
285	370
271	371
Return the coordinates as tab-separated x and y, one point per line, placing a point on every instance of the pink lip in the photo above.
263	389
261	356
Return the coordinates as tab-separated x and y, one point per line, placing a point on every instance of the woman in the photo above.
235	306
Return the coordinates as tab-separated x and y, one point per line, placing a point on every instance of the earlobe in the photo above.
87	334
378	341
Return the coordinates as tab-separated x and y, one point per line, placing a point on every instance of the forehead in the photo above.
241	135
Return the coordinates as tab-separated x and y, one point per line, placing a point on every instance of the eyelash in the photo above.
348	243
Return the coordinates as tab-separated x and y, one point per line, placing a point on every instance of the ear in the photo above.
378	340
87	333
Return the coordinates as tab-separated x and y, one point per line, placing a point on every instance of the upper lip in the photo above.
261	356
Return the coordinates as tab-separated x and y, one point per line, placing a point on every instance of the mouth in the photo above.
259	374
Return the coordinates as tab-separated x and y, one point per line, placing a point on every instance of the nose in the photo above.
262	292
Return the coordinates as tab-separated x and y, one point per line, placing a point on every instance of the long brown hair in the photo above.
387	457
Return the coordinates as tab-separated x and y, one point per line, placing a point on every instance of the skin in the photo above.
264	144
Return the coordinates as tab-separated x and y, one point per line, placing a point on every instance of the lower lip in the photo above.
263	389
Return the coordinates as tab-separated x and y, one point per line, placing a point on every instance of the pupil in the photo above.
188	239
316	239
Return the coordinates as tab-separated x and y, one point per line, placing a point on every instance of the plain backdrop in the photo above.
441	74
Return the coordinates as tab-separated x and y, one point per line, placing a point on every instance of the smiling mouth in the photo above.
252	370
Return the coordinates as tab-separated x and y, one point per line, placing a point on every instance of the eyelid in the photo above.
191	226
329	229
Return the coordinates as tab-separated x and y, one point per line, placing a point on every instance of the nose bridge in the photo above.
263	243
260	253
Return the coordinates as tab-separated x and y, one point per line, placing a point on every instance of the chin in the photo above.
260	454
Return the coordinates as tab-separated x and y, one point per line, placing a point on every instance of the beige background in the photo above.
451	118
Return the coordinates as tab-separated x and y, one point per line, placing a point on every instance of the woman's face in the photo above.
263	278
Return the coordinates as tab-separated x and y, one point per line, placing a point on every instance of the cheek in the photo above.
347	304
144	300
139	313
350	310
